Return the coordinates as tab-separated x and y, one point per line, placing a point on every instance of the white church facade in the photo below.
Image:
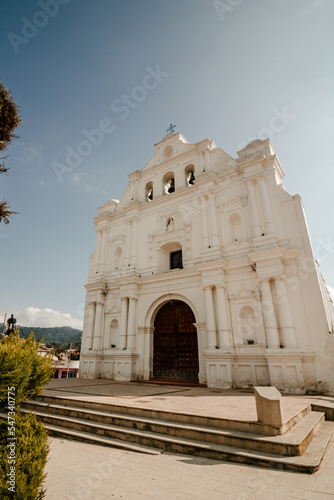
204	271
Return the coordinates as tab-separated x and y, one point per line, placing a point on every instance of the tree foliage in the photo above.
22	367
9	121
31	455
23	372
62	334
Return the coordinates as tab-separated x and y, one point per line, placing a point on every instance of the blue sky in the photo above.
225	69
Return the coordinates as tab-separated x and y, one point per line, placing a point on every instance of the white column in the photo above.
210	318
148	352
132	330
97	341
267	216
253	207
287	328
207	159
270	322
124	323
106	332
205	238
134	243
89	326
97	250
109	256
224	331
201	161
128	243
102	256
214	221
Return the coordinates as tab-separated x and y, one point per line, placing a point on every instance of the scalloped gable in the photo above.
171	146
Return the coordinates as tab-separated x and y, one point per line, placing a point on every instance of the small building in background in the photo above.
64	367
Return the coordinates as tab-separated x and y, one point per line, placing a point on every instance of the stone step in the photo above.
212	422
95	439
309	462
101	440
133	428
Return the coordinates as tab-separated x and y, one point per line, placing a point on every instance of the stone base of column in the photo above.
97	342
116	365
288	337
212	253
121	365
218	369
263	241
225	340
211	340
129	271
131	342
87	346
90	365
286	370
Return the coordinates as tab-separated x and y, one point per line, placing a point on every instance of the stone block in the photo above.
268	406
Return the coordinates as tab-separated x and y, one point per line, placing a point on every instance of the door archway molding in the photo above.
158	303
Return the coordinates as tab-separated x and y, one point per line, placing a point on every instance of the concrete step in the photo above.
212	422
94	439
137	429
307	463
101	440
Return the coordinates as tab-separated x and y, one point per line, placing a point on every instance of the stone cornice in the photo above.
212	265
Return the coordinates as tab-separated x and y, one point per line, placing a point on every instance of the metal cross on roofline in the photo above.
171	129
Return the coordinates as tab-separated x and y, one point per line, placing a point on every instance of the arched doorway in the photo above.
175	349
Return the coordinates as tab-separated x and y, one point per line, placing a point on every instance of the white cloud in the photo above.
35	317
86	182
31	154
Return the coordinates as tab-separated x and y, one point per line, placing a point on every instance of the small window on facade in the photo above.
176	260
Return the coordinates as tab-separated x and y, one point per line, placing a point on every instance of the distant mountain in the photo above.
62	334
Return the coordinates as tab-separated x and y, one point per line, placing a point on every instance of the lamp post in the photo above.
11	325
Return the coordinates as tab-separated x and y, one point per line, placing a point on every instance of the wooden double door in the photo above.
175	349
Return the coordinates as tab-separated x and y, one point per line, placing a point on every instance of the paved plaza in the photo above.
83	471
236	404
78	470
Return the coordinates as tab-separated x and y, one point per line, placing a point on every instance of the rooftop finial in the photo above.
171	129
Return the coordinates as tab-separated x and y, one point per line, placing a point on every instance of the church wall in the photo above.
248	272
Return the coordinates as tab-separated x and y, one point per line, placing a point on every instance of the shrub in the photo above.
24	373
23	368
31	449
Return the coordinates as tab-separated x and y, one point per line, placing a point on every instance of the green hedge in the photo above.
23	373
31	450
23	368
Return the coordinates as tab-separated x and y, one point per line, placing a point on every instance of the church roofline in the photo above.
171	138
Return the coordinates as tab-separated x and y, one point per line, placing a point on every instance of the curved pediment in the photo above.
171	147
